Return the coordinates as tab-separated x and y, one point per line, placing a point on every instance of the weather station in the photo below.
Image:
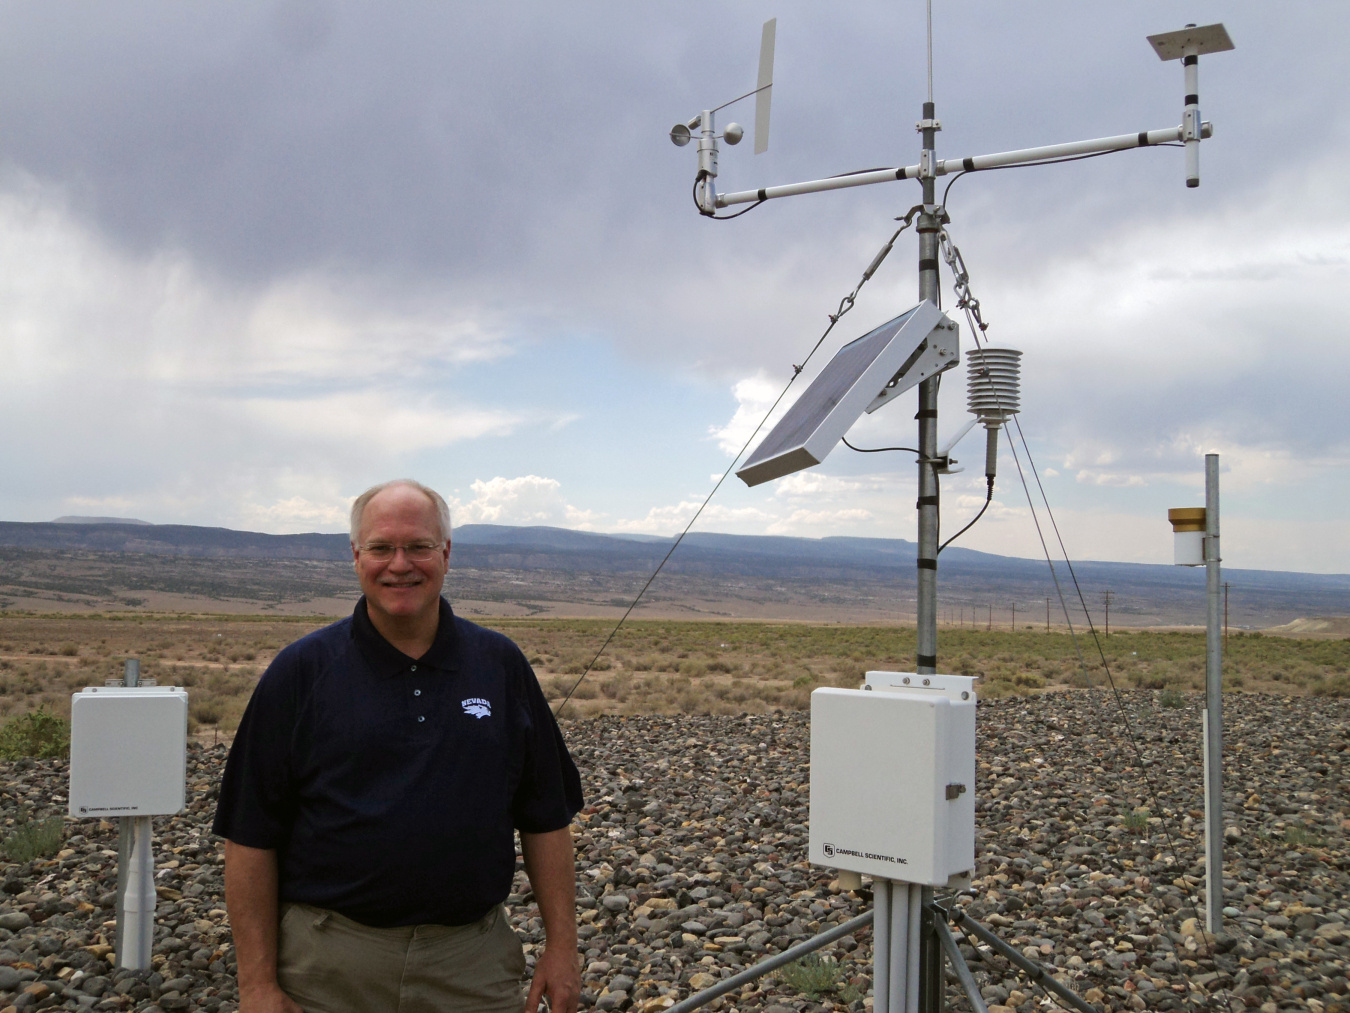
128	761
893	762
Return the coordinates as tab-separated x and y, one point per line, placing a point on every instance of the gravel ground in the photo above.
691	866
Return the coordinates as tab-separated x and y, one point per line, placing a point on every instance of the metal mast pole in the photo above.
926	653
1213	705
930	952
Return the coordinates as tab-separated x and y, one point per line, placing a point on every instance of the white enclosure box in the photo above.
128	750
893	777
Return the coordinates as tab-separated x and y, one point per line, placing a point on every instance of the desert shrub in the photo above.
39	734
720	666
69	650
207	711
1337	685
814	975
32	840
1135	819
1170	699
617	687
803	680
1302	837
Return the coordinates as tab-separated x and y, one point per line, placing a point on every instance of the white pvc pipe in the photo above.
881	947
138	903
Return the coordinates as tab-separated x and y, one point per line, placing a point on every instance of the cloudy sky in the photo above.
254	258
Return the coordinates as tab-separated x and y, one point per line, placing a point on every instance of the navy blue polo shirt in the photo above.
389	786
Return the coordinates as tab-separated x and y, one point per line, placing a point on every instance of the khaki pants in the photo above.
331	964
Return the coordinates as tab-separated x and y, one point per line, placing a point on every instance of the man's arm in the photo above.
251	898
550	862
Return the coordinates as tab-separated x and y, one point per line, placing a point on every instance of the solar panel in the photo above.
881	362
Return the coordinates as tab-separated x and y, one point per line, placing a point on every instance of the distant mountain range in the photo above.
969	576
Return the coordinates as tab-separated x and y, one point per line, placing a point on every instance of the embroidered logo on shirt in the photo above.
477	706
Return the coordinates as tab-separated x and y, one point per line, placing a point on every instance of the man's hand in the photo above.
550	863
251	897
262	999
557	976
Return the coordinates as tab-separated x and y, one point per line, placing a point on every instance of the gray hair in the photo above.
442	508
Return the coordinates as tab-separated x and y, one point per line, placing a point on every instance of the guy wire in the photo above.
977	332
845	305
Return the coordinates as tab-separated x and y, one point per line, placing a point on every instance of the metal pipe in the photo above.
912	957
818	185
881	946
131	676
765	966
962	970
139	900
1120	142
925	659
1190	121
1213	704
1033	970
898	986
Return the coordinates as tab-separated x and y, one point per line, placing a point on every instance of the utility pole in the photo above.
1106	604
990	627
1047	615
1225	616
1013	625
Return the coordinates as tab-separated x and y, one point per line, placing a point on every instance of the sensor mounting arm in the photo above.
947	166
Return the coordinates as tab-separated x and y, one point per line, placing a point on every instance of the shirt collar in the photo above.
386	659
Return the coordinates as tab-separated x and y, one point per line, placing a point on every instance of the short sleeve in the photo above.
257	794
549	794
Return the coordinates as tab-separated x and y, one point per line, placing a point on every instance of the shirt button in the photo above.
417	692
414	668
421	718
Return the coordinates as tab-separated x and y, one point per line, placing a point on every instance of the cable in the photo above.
716	217
877	450
1049	161
845	305
988	498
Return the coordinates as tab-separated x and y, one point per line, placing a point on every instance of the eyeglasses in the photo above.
417	552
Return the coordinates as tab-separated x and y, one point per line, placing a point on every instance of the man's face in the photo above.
401	588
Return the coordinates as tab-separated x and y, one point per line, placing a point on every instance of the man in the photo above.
372	793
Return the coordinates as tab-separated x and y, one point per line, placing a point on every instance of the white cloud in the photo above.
809	521
754	395
296	513
671	520
811	483
529	499
383	420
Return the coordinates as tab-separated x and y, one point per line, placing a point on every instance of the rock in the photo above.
699	982
9	979
615	902
15	921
